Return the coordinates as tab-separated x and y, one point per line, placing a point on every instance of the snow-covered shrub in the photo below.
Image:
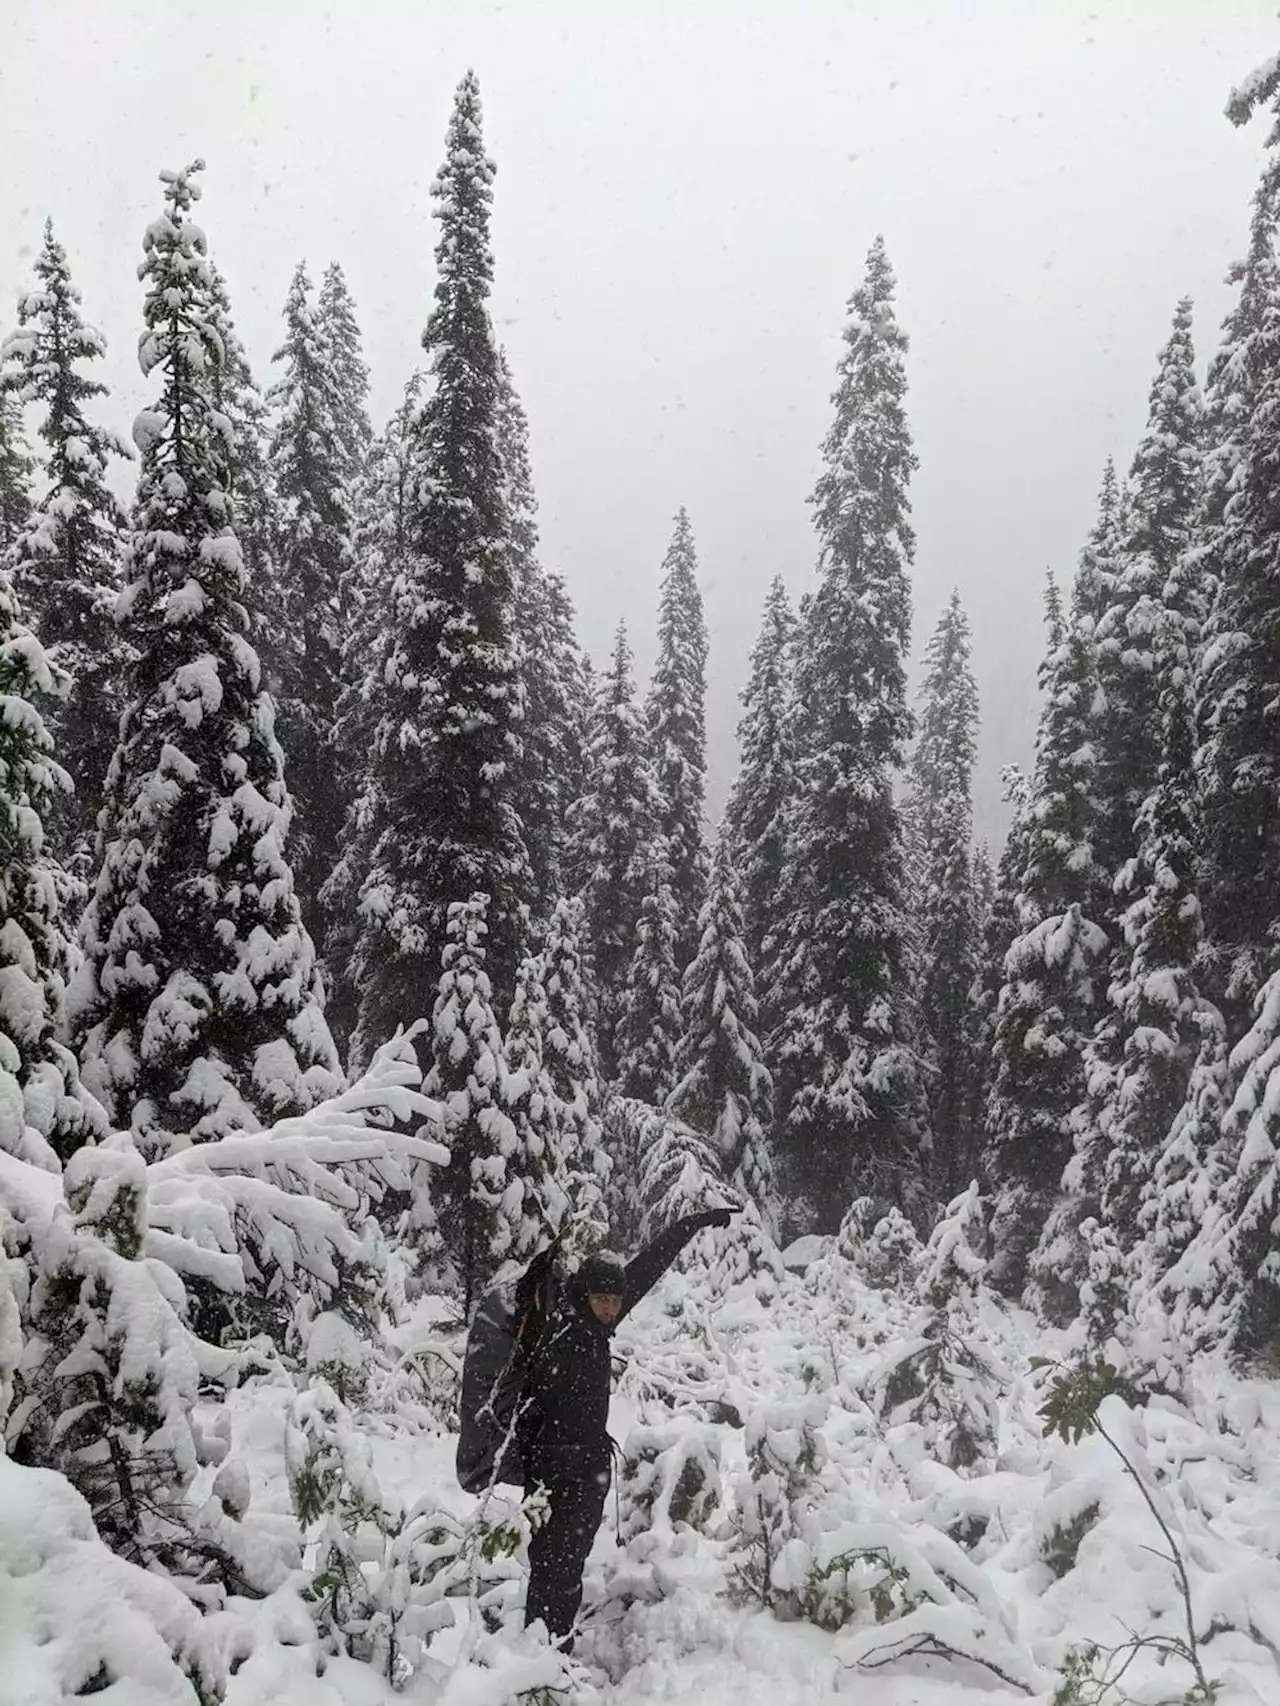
944	1379
80	1621
775	1499
268	1228
670	1478
891	1252
382	1576
110	1370
358	1611
1062	1535
337	1355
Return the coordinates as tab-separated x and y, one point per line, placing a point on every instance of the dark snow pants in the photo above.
558	1550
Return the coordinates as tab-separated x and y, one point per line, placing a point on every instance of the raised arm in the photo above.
645	1269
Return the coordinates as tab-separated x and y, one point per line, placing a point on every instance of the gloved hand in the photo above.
716	1217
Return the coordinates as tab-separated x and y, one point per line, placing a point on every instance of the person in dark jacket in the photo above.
564	1412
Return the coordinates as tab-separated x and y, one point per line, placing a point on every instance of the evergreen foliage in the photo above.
382	504
543	778
1238	686
449	704
675	711
615	825
941	810
723	1089
1139	582
537	1198
197	1009
1048	1001
340	336
16	468
310	465
1000	930
110	1373
568	1056
66	562
237	396
848	1094
478	1198
34	950
758	802
648	1032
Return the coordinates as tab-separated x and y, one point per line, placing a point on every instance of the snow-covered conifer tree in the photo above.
1000	929
549	662
1142	1057
1232	1259
1161	498
110	1373
537	1165
675	711
758	800
941	810
33	939
723	1089
237	396
615	823
1238	687
340	334
66	563
478	1199
197	1009
1049	1000
448	690
648	1030
309	465
382	503
849	1102
16	467
568	1056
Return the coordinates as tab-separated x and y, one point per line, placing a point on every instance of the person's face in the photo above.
606	1306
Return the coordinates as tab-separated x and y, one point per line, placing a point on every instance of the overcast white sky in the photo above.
686	193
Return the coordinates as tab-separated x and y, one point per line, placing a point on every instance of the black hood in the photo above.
599	1273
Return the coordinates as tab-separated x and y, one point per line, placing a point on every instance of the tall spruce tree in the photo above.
1169	1031
448	687
1000	929
615	824
1139	561
16	467
1233	1256
569	1058
1050	996
383	502
479	1220
236	395
648	1028
549	662
34	950
675	711
310	468
849	1100
1238	685
1144	1051
758	801
66	563
941	808
340	334
723	1089
197	1007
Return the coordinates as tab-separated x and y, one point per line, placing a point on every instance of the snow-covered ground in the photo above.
1033	1549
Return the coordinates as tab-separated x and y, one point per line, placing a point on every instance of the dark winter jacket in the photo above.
563	1429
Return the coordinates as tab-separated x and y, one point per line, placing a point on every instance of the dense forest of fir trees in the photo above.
310	798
